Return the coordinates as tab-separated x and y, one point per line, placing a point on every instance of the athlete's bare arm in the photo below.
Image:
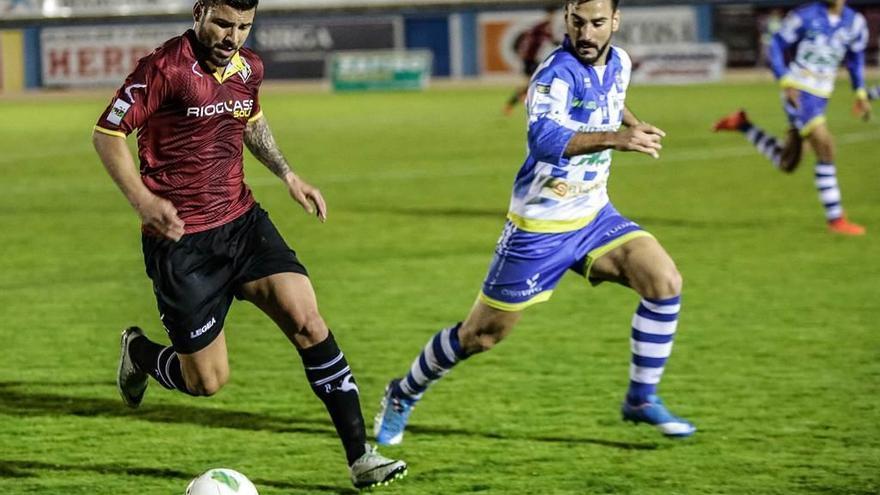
640	137
157	214
259	140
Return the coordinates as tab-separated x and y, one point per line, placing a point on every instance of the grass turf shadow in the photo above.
14	401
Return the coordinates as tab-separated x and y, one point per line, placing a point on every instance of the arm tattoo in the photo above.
259	140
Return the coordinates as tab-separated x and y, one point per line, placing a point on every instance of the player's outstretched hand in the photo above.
862	109
159	217
307	195
642	137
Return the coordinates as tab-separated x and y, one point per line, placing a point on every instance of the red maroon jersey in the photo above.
190	122
530	42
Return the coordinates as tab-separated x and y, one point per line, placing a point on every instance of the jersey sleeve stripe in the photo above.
256	117
109	132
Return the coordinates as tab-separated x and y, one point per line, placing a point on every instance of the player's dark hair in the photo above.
614	3
235	4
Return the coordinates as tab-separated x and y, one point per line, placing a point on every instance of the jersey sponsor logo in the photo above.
579	103
238	108
120	108
204	328
543	89
561	189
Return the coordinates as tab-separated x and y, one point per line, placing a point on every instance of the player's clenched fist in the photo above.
159	217
642	137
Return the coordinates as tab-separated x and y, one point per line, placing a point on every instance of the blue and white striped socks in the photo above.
653	329
768	145
438	356
829	193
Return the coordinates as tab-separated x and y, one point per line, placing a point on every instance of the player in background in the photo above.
561	219
822	35
194	102
528	45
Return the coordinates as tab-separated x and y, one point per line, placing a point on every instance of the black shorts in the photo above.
196	278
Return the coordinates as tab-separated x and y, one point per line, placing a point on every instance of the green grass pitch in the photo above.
776	359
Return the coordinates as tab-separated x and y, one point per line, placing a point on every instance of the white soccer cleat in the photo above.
372	469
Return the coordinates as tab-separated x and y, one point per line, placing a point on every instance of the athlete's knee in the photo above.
206	386
310	326
664	284
483	337
825	153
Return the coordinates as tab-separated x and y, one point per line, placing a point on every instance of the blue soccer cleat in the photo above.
391	419
654	413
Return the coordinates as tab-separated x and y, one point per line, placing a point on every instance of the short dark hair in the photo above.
235	4
614	3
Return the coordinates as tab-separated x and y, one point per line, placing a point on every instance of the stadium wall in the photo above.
468	39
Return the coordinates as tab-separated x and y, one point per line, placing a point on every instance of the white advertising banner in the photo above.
89	8
36	9
680	63
639	26
99	55
643	26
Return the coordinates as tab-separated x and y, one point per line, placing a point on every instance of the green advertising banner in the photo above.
380	70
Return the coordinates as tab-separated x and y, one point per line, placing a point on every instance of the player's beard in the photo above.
600	51
221	59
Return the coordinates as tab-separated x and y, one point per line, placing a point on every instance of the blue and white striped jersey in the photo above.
821	42
556	194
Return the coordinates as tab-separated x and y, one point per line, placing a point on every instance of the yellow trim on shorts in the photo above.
811	126
511	307
109	132
256	117
549	226
789	82
600	251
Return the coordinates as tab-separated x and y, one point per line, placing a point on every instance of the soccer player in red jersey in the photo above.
194	102
528	45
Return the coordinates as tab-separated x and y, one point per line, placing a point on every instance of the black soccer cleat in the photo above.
131	382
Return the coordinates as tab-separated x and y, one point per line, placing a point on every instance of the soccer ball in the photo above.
221	481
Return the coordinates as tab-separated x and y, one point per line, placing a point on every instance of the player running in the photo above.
561	219
821	35
194	102
528	47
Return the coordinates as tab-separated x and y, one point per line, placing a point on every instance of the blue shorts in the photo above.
528	265
809	113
